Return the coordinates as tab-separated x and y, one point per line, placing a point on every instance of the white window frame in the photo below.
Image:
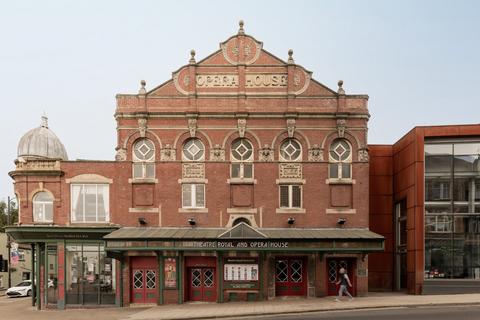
339	163
185	158
107	209
143	162
299	158
193	195
242	162
290	196
43	204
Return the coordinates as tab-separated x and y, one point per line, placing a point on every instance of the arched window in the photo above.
43	207
241	156
291	150
193	150
143	159
340	158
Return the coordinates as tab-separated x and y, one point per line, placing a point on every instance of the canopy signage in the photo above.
247	245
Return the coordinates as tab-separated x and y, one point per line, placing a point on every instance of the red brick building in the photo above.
240	178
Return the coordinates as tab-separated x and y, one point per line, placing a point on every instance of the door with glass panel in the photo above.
144	280
333	274
290	276
201	284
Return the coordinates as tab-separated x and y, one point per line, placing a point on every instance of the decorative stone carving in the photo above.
265	154
291	127
142	90
241	49
340	91
290	170
363	155
290	57
167	153
217	153
38	165
186	80
193	170
242	127
121	155
315	153
142	127
341	124
192	126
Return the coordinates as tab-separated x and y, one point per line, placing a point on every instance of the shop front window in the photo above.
90	275
452	215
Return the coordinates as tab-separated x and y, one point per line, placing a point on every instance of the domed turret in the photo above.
41	143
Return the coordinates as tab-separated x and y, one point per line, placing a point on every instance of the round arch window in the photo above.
291	150
193	150
43	207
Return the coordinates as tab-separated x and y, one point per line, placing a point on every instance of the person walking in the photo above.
343	281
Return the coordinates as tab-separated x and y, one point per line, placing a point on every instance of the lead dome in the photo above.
41	143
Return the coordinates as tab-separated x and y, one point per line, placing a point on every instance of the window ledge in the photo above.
290	210
193	180
290	181
87	224
143	180
340	181
242	181
340	211
192	210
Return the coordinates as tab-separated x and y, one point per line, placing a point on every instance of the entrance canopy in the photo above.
244	238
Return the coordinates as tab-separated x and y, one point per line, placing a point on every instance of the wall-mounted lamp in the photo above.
192	222
142	221
291	220
341	221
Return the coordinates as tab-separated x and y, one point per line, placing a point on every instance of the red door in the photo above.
333	274
290	276
201	284
144	280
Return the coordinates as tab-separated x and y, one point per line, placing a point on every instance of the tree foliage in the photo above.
4	212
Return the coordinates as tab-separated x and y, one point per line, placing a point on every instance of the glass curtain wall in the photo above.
452	210
90	275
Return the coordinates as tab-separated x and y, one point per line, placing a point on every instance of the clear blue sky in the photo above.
417	60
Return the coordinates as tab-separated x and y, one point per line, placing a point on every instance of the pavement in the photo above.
299	305
20	308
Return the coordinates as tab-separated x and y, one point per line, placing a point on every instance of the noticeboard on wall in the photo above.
240	272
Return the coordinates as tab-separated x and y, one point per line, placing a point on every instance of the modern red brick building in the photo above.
240	178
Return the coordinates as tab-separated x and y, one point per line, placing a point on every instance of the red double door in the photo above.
333	274
144	279
201	279
290	276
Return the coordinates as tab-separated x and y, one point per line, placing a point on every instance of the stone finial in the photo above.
192	57
340	87
142	90
290	57
241	30
44	122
